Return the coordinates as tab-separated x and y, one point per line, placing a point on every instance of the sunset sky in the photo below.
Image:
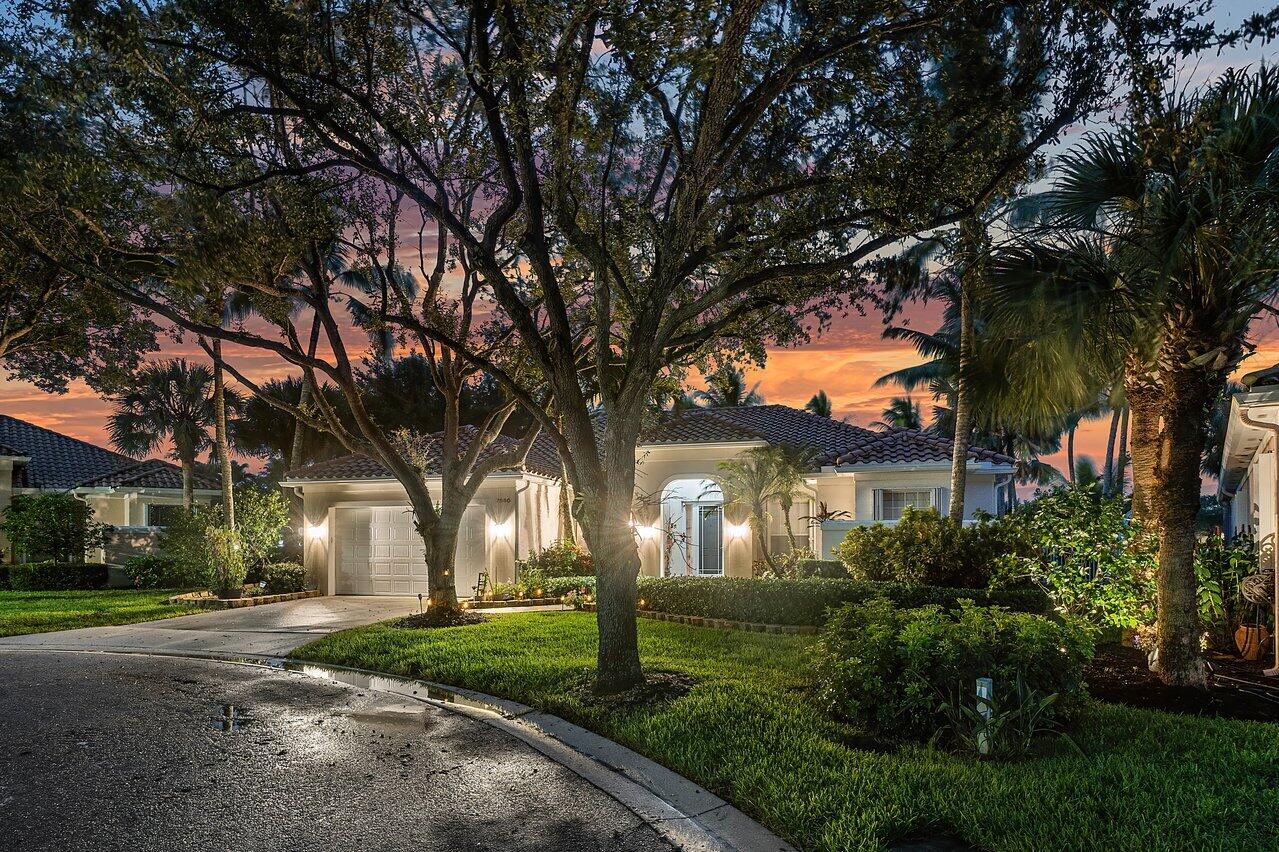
844	362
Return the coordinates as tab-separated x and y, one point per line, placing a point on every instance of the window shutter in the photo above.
878	504
941	501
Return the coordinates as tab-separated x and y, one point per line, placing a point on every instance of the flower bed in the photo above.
210	601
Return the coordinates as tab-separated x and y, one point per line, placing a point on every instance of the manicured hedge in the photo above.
805	602
57	576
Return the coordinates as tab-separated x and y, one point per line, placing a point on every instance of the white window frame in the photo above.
936	500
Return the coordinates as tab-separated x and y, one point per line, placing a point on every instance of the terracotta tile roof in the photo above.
833	442
60	462
541	460
152	473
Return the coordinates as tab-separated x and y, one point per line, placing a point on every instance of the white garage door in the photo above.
380	553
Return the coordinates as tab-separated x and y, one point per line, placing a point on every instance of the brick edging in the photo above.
474	604
721	623
239	603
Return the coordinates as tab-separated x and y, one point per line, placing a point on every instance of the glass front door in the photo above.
710	540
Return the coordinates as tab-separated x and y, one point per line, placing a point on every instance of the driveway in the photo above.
272	630
123	752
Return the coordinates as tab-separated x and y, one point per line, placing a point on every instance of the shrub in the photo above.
260	518
893	672
925	547
57	576
805	602
155	571
1219	566
558	587
828	568
799	564
185	540
52	527
561	559
1085	554
224	566
283	577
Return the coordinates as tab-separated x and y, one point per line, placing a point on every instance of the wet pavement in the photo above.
124	752
273	629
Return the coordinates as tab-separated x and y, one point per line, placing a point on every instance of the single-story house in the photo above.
133	496
360	537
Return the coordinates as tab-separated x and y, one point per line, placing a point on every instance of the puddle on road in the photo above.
233	719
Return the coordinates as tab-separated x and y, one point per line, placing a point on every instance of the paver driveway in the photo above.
274	629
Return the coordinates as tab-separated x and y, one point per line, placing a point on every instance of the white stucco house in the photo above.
1248	484
133	496
360	537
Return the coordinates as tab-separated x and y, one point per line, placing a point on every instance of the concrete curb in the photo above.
683	813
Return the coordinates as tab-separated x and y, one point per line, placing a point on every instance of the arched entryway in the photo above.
694	526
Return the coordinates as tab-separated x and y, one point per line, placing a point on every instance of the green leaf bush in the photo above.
57	576
806	602
159	571
892	671
558	587
283	577
927	548
561	559
52	527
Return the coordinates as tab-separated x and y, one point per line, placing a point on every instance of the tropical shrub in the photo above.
224	565
561	559
927	547
1219	566
283	577
57	576
806	602
1085	554
52	527
184	540
894	672
558	587
799	564
158	571
261	515
828	568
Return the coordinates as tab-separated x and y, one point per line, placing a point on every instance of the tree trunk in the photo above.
1143	404
617	566
1176	503
299	429
790	530
220	434
186	457
566	509
1121	463
1108	474
963	405
1070	452
439	542
760	527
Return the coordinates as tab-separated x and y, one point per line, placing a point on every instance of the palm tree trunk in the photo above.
1144	416
790	530
220	434
1108	475
963	406
1188	393
186	458
1070	452
761	537
1121	463
304	399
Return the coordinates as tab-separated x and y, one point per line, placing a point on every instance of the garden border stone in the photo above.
208	601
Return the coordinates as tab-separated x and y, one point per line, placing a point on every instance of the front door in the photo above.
710	540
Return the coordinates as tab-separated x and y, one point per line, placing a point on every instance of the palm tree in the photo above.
902	413
820	405
1175	220
791	464
166	401
726	388
750	481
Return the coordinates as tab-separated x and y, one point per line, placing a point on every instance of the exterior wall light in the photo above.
316	531
499	529
737	530
645	532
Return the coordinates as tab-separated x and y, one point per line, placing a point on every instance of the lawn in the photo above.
746	730
38	612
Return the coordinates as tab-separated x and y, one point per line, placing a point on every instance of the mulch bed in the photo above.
1119	674
658	688
455	618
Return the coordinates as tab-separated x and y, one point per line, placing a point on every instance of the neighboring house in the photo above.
135	497
361	539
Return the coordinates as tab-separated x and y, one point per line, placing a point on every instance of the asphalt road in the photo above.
116	752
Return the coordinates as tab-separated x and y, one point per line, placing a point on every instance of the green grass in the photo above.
39	612
747	730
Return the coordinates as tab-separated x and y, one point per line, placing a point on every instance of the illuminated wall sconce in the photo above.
645	532
737	530
315	532
499	529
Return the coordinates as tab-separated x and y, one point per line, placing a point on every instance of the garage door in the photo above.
380	553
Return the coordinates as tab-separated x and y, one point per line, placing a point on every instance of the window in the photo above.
161	514
893	502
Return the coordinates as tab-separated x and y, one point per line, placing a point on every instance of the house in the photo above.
360	537
133	496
